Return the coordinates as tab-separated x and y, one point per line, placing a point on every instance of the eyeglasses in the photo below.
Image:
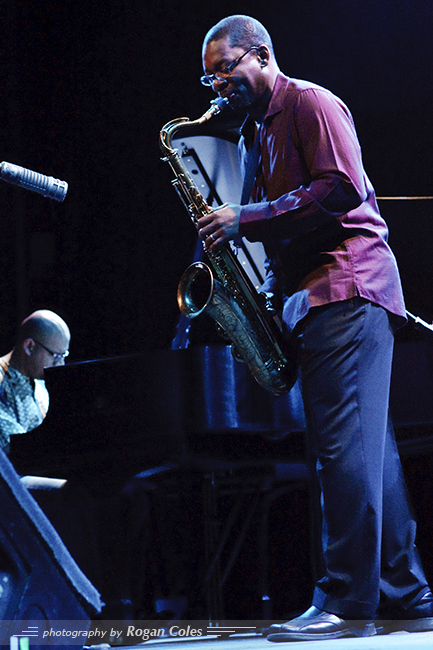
57	356
209	79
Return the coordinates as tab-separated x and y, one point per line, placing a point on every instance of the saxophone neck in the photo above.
168	131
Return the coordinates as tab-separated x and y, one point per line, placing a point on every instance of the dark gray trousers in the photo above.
368	531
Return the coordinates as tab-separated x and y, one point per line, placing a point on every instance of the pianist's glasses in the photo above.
57	356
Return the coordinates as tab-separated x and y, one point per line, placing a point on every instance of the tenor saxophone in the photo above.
222	288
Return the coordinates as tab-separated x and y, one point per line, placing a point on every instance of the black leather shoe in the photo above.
418	618
315	625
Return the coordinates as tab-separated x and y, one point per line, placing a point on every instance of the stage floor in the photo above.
395	641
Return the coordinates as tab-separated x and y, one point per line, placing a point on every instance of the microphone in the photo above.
45	185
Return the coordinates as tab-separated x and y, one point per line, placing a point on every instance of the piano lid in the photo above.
126	414
109	416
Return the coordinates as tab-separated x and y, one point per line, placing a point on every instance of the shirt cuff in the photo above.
253	220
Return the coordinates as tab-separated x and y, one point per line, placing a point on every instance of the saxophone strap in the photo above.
251	170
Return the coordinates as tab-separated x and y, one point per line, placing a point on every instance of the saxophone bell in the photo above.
195	289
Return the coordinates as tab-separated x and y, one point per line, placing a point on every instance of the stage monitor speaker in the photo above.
40	583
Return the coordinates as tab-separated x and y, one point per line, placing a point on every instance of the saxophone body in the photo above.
222	288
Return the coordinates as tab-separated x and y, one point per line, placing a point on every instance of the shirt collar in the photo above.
15	375
278	96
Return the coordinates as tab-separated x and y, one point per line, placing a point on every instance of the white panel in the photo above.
219	158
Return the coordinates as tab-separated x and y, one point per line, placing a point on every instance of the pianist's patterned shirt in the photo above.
23	403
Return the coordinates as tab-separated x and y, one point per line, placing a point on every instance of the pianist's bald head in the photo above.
42	341
42	325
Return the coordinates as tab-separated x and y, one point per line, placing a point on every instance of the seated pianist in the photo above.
42	341
80	518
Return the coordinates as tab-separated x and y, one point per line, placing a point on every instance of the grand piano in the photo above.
129	413
111	418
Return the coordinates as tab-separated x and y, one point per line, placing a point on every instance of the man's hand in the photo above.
219	226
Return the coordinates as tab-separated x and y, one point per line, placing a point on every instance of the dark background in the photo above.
87	85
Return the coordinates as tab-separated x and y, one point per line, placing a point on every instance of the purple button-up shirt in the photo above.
314	207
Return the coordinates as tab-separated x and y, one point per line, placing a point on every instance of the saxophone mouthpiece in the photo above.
216	106
220	103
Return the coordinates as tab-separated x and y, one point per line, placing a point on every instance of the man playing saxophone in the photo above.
336	281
